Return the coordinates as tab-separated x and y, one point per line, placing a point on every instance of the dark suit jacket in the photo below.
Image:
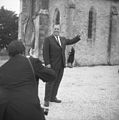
18	91
53	53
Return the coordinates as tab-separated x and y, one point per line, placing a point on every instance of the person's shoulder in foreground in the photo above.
42	72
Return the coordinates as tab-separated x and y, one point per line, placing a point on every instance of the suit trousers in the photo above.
51	88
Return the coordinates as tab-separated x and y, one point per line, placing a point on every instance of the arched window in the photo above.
92	24
56	17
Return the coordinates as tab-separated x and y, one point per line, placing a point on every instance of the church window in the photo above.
57	17
92	24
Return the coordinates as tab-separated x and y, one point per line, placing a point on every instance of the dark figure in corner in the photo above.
71	58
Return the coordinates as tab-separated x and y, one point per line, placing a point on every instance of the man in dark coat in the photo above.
71	58
54	57
18	88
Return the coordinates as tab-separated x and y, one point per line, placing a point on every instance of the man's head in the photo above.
56	30
15	48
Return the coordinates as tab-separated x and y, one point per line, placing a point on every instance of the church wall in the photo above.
88	51
102	47
114	52
75	19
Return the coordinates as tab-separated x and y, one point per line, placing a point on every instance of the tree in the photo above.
8	27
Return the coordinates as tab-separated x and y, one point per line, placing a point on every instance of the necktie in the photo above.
58	40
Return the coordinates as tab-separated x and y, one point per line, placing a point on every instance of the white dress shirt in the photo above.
58	40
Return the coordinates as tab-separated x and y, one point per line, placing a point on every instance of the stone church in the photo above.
96	20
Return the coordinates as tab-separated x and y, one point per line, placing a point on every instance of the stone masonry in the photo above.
96	20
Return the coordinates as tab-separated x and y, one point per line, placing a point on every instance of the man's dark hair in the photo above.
15	48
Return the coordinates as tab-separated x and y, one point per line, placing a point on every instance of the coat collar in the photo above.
56	41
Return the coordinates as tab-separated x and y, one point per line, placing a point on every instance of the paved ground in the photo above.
88	93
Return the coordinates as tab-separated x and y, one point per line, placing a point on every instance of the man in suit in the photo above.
54	57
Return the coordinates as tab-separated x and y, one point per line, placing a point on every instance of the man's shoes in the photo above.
46	104
56	100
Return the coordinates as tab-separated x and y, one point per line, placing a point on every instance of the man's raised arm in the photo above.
73	41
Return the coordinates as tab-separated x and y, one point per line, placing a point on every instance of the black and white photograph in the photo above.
59	59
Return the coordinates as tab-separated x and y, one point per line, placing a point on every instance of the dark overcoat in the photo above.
18	91
71	56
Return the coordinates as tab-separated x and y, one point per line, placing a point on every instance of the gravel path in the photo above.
87	93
